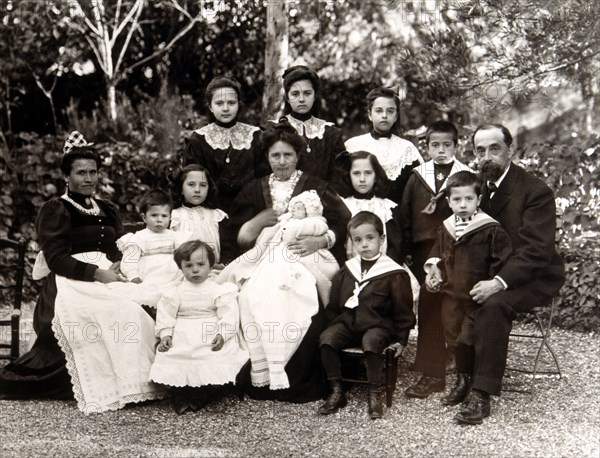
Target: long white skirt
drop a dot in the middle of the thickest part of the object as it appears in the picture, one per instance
(108, 340)
(277, 304)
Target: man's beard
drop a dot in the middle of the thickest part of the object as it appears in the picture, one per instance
(489, 170)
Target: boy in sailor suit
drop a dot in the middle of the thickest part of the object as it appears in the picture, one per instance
(470, 247)
(371, 306)
(423, 209)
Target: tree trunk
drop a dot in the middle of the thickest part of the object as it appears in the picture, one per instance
(112, 101)
(276, 58)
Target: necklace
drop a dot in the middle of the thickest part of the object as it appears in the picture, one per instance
(94, 211)
(280, 202)
(227, 160)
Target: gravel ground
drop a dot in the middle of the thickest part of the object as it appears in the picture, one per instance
(563, 419)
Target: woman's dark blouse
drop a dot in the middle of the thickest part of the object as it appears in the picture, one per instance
(210, 147)
(63, 231)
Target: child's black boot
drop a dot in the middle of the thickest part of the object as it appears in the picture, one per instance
(375, 401)
(180, 400)
(335, 400)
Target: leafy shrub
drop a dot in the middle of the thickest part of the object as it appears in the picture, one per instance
(571, 171)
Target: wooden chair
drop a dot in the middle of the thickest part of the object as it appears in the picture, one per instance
(541, 317)
(12, 272)
(354, 370)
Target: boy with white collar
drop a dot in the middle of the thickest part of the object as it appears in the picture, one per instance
(371, 306)
(423, 210)
(470, 247)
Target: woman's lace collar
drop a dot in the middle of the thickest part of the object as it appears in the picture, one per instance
(311, 128)
(238, 137)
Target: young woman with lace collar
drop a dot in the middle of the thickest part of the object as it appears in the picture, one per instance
(396, 155)
(229, 149)
(302, 105)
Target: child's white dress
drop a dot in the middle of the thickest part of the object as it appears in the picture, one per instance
(193, 314)
(202, 222)
(148, 255)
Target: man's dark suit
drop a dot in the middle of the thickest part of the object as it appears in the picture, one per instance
(525, 208)
(534, 273)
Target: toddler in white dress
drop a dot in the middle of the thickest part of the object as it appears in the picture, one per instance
(148, 254)
(197, 323)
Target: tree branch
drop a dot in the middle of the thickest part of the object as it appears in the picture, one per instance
(134, 24)
(136, 10)
(117, 13)
(168, 46)
(97, 54)
(182, 10)
(87, 21)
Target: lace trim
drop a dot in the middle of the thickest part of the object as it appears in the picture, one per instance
(311, 128)
(280, 204)
(197, 375)
(239, 136)
(63, 342)
(212, 214)
(64, 345)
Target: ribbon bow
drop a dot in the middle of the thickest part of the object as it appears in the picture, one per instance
(75, 139)
(352, 301)
(430, 208)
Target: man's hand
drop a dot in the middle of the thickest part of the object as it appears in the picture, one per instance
(398, 349)
(484, 289)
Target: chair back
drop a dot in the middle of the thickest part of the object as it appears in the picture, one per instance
(12, 273)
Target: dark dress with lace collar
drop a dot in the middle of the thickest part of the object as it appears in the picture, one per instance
(62, 231)
(230, 152)
(324, 141)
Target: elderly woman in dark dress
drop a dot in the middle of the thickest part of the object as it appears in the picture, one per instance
(94, 341)
(281, 315)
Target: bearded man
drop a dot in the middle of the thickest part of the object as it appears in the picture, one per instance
(525, 207)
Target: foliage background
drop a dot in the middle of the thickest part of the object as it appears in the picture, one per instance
(531, 65)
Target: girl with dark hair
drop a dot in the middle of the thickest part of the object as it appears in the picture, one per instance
(85, 310)
(323, 139)
(230, 150)
(285, 362)
(195, 209)
(396, 155)
(365, 187)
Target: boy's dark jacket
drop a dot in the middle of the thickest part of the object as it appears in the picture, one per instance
(477, 255)
(385, 302)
